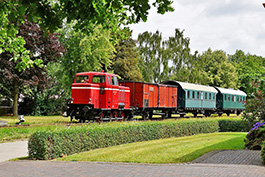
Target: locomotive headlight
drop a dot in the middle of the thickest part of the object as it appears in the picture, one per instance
(72, 100)
(89, 102)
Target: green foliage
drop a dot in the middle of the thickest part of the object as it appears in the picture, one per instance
(163, 60)
(220, 71)
(232, 125)
(53, 144)
(84, 52)
(263, 153)
(255, 137)
(249, 69)
(126, 59)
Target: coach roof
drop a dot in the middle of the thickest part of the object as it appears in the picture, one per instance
(231, 91)
(189, 86)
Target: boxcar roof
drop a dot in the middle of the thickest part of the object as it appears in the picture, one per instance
(189, 86)
(231, 91)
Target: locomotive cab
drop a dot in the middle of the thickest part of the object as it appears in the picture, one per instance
(98, 96)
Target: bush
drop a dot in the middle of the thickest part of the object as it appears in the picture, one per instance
(255, 137)
(263, 153)
(233, 125)
(65, 141)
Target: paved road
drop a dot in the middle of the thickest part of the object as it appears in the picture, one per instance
(13, 150)
(241, 163)
(70, 169)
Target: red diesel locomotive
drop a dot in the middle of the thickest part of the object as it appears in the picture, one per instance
(98, 96)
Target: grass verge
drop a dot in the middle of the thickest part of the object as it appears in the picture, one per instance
(35, 119)
(171, 150)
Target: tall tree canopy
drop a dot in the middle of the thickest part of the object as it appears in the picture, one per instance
(41, 48)
(250, 70)
(126, 60)
(50, 15)
(220, 71)
(84, 52)
(164, 59)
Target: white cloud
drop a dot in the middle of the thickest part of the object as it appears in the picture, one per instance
(226, 25)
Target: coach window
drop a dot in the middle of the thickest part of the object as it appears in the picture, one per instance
(205, 96)
(188, 96)
(210, 96)
(198, 95)
(213, 96)
(193, 94)
(232, 98)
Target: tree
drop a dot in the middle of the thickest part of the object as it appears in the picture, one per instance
(162, 60)
(84, 52)
(42, 48)
(126, 60)
(250, 69)
(50, 16)
(220, 71)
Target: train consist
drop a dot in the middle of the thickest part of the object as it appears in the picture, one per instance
(100, 96)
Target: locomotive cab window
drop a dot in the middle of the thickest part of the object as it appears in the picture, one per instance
(98, 79)
(114, 80)
(81, 79)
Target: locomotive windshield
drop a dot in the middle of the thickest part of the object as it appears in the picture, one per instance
(81, 79)
(98, 79)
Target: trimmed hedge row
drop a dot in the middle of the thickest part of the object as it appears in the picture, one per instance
(52, 144)
(233, 125)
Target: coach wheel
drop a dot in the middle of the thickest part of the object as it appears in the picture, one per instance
(151, 115)
(228, 114)
(182, 115)
(170, 115)
(81, 120)
(220, 114)
(144, 115)
(165, 115)
(71, 118)
(195, 114)
(238, 113)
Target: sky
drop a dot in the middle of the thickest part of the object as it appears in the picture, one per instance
(227, 25)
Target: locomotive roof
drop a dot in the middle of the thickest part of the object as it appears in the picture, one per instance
(99, 73)
(189, 86)
(231, 91)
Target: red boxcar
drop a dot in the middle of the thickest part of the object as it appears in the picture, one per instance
(97, 95)
(147, 97)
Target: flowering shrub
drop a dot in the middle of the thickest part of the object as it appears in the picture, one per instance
(255, 136)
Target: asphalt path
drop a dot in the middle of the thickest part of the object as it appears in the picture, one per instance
(13, 150)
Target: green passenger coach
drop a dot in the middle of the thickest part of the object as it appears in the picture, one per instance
(195, 98)
(230, 101)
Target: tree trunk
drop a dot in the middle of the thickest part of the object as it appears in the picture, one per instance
(15, 98)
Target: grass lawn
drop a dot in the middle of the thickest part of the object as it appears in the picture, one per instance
(172, 150)
(35, 119)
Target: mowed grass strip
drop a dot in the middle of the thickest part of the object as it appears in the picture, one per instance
(35, 119)
(171, 150)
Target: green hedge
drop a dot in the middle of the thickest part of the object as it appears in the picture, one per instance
(65, 141)
(233, 125)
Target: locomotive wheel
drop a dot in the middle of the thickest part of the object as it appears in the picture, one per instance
(114, 115)
(122, 115)
(101, 116)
